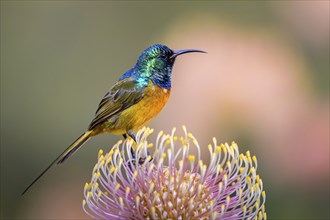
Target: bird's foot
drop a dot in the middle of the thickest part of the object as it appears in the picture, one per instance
(141, 159)
(133, 154)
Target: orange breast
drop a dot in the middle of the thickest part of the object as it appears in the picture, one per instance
(141, 113)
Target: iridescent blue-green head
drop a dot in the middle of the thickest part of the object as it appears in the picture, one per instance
(156, 64)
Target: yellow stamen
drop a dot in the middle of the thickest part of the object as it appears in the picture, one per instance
(121, 202)
(117, 187)
(191, 158)
(127, 191)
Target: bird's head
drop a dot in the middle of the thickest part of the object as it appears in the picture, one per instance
(156, 63)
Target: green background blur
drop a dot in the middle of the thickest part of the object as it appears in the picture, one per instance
(264, 83)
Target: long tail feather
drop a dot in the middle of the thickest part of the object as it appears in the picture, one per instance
(74, 147)
(64, 156)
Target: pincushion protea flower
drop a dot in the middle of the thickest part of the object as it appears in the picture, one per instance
(173, 183)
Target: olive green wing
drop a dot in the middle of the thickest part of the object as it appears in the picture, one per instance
(121, 96)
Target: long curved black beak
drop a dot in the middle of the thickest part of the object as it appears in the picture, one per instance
(180, 52)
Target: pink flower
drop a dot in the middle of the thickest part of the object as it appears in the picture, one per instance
(173, 183)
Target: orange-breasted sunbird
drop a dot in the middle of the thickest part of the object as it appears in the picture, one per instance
(137, 97)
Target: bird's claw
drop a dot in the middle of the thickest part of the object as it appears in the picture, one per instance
(142, 160)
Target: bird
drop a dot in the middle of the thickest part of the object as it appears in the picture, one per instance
(136, 98)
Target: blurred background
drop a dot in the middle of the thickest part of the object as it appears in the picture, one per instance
(264, 83)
